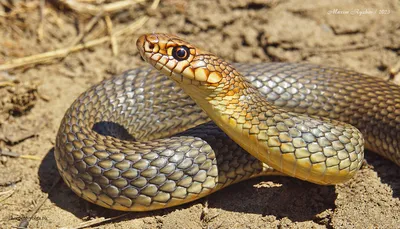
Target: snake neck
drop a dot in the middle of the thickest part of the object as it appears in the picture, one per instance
(234, 105)
(267, 132)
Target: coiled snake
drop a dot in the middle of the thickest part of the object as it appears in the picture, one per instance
(114, 149)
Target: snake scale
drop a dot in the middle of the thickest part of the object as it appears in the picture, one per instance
(143, 140)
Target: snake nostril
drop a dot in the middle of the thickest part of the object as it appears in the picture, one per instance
(151, 46)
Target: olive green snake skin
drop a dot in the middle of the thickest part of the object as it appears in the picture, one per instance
(114, 146)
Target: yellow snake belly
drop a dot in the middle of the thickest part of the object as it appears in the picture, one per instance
(114, 146)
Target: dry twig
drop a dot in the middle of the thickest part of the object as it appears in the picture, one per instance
(7, 194)
(95, 222)
(7, 84)
(13, 154)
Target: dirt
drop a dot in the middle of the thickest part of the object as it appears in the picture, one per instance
(358, 35)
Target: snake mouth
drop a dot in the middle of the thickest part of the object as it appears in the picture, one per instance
(151, 51)
(145, 49)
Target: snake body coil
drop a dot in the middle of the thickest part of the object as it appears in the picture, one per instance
(113, 146)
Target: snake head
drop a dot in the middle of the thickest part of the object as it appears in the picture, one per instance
(183, 62)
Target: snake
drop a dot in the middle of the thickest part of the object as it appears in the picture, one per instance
(191, 124)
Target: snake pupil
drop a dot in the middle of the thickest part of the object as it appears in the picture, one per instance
(180, 53)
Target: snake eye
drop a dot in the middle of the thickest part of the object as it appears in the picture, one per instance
(180, 53)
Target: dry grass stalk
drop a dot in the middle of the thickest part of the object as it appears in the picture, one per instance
(40, 29)
(113, 39)
(95, 9)
(155, 4)
(47, 56)
(20, 7)
(87, 28)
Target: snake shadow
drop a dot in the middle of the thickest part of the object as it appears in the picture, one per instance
(388, 171)
(278, 196)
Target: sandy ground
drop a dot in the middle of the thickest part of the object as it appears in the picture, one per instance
(362, 35)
